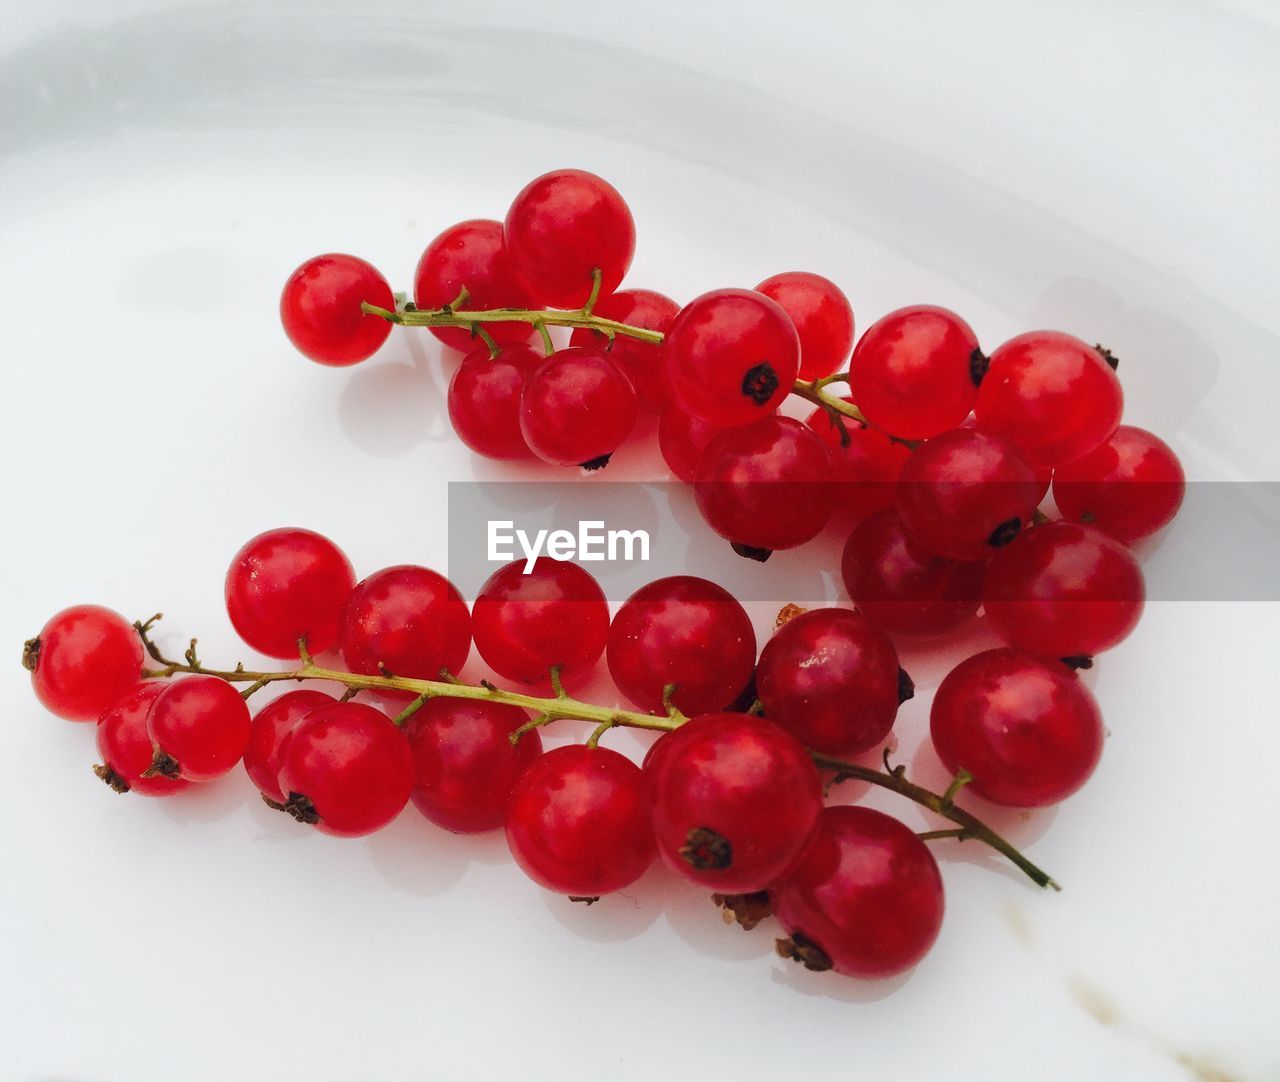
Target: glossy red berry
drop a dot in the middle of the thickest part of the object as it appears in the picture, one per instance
(866, 900)
(346, 770)
(125, 746)
(470, 255)
(484, 400)
(736, 800)
(641, 361)
(731, 357)
(686, 632)
(865, 464)
(288, 584)
(200, 727)
(1024, 727)
(914, 372)
(84, 659)
(408, 621)
(902, 587)
(964, 494)
(830, 677)
(1129, 487)
(1052, 395)
(765, 486)
(320, 309)
(560, 228)
(681, 440)
(579, 822)
(524, 625)
(577, 408)
(822, 316)
(272, 725)
(465, 764)
(1064, 590)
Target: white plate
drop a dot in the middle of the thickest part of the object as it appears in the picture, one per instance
(1106, 169)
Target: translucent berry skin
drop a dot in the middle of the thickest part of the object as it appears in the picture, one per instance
(865, 465)
(560, 228)
(84, 659)
(765, 485)
(577, 408)
(465, 764)
(1064, 590)
(352, 765)
(902, 587)
(579, 822)
(1129, 487)
(320, 309)
(272, 725)
(964, 494)
(736, 800)
(911, 371)
(681, 440)
(471, 254)
(1052, 395)
(830, 677)
(641, 361)
(408, 619)
(867, 894)
(285, 585)
(1026, 729)
(125, 746)
(731, 357)
(684, 631)
(524, 625)
(484, 400)
(822, 316)
(202, 723)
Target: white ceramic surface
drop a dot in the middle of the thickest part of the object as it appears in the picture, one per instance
(1108, 169)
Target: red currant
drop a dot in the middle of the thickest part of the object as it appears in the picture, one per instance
(563, 226)
(866, 900)
(681, 439)
(865, 464)
(272, 725)
(484, 400)
(126, 748)
(1052, 395)
(1025, 728)
(84, 659)
(285, 585)
(577, 408)
(579, 821)
(200, 727)
(641, 361)
(320, 309)
(822, 316)
(731, 357)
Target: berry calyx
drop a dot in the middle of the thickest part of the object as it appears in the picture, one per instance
(200, 726)
(822, 316)
(321, 313)
(84, 659)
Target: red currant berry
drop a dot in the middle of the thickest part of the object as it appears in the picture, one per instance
(346, 770)
(901, 586)
(1052, 395)
(822, 316)
(681, 439)
(285, 585)
(84, 659)
(200, 727)
(577, 408)
(470, 255)
(579, 822)
(865, 464)
(465, 763)
(126, 748)
(408, 621)
(731, 357)
(1064, 590)
(964, 494)
(1129, 487)
(641, 361)
(736, 800)
(272, 726)
(526, 624)
(866, 900)
(765, 486)
(484, 400)
(563, 226)
(686, 632)
(320, 309)
(831, 678)
(1025, 728)
(915, 372)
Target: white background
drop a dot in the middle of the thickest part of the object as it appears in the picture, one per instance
(1105, 168)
